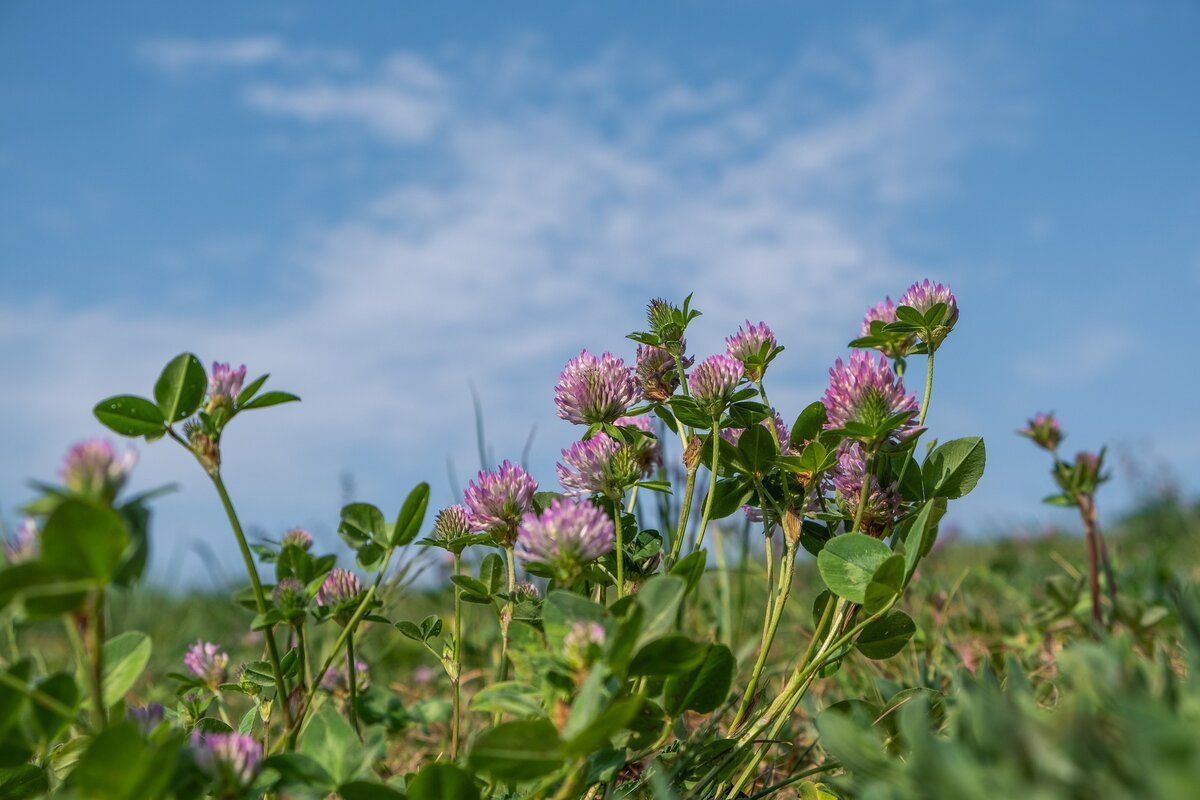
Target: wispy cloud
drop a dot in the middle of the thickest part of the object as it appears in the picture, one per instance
(557, 198)
(178, 55)
(1077, 358)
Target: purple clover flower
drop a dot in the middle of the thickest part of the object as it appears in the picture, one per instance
(208, 662)
(734, 435)
(657, 372)
(925, 295)
(566, 536)
(866, 391)
(713, 382)
(340, 587)
(498, 500)
(146, 717)
(298, 537)
(1044, 430)
(231, 760)
(897, 346)
(23, 545)
(592, 389)
(599, 465)
(883, 502)
(584, 644)
(746, 346)
(94, 469)
(649, 451)
(224, 385)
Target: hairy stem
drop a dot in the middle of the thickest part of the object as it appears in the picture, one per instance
(620, 548)
(456, 684)
(352, 679)
(685, 511)
(96, 648)
(715, 438)
(770, 627)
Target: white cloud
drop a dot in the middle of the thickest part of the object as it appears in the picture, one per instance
(1078, 358)
(565, 197)
(177, 55)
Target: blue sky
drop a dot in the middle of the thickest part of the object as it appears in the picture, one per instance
(383, 203)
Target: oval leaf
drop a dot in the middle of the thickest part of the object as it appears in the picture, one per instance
(847, 563)
(412, 515)
(84, 540)
(129, 415)
(125, 658)
(180, 388)
(886, 636)
(517, 751)
(442, 782)
(954, 468)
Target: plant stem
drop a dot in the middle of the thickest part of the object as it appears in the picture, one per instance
(43, 699)
(714, 437)
(456, 684)
(620, 548)
(770, 627)
(684, 511)
(928, 388)
(96, 646)
(305, 661)
(506, 615)
(352, 678)
(259, 597)
(1087, 510)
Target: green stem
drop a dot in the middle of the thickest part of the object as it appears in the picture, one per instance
(456, 684)
(684, 512)
(96, 645)
(620, 548)
(352, 678)
(305, 661)
(770, 627)
(864, 491)
(505, 622)
(928, 388)
(715, 437)
(260, 598)
(42, 699)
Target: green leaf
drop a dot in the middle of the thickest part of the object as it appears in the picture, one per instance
(331, 741)
(46, 591)
(954, 468)
(885, 585)
(847, 563)
(129, 415)
(517, 751)
(180, 388)
(705, 688)
(668, 655)
(250, 390)
(440, 781)
(492, 573)
(120, 765)
(729, 495)
(918, 534)
(361, 523)
(367, 790)
(22, 782)
(597, 735)
(297, 769)
(809, 424)
(411, 516)
(659, 597)
(12, 699)
(62, 688)
(85, 540)
(563, 609)
(886, 636)
(125, 657)
(691, 569)
(757, 448)
(270, 399)
(509, 697)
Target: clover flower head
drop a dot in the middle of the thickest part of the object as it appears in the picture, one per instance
(649, 451)
(146, 717)
(1044, 430)
(567, 535)
(527, 590)
(925, 295)
(224, 385)
(747, 345)
(340, 587)
(452, 523)
(23, 545)
(1087, 467)
(208, 662)
(599, 465)
(298, 537)
(714, 381)
(291, 597)
(231, 760)
(584, 644)
(498, 500)
(896, 346)
(94, 469)
(657, 373)
(866, 391)
(337, 679)
(592, 389)
(883, 502)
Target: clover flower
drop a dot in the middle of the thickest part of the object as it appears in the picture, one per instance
(527, 590)
(714, 381)
(208, 662)
(1087, 468)
(648, 449)
(337, 679)
(566, 536)
(231, 760)
(23, 545)
(451, 525)
(747, 346)
(224, 385)
(92, 468)
(867, 392)
(883, 502)
(146, 717)
(498, 500)
(340, 588)
(291, 598)
(657, 373)
(1044, 430)
(895, 346)
(925, 295)
(584, 644)
(592, 389)
(298, 537)
(600, 465)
